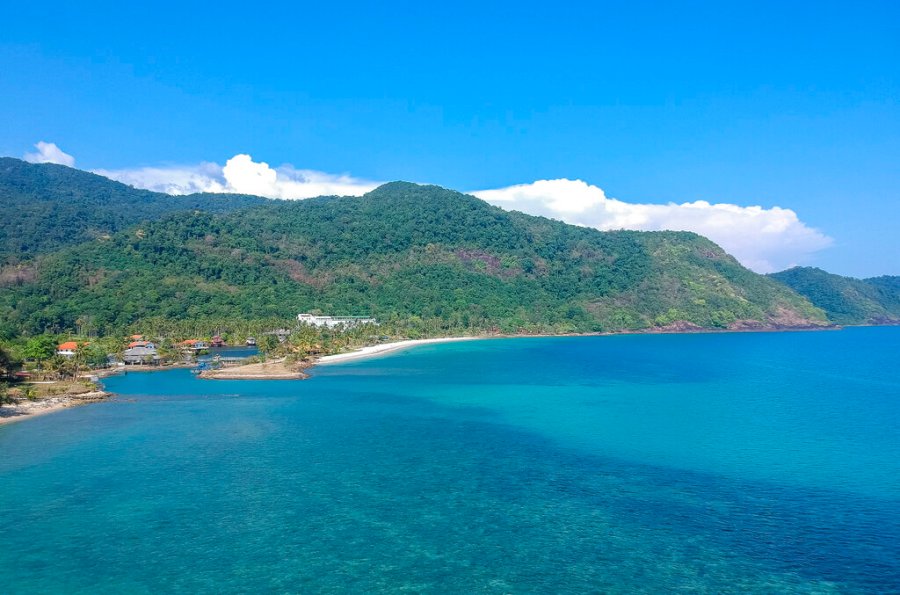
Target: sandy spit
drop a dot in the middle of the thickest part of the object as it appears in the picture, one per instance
(271, 370)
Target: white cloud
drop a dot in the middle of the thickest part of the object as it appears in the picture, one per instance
(49, 153)
(241, 175)
(175, 179)
(764, 240)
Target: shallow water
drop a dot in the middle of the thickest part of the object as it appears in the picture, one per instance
(712, 463)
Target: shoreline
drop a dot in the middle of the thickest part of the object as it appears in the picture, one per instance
(12, 413)
(277, 370)
(384, 348)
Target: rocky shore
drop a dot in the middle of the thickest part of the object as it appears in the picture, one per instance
(27, 408)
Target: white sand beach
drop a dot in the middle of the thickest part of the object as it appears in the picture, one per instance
(374, 350)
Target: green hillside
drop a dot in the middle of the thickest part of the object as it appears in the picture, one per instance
(45, 207)
(402, 252)
(844, 299)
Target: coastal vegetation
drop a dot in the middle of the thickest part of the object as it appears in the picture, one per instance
(844, 299)
(47, 207)
(423, 260)
(9, 363)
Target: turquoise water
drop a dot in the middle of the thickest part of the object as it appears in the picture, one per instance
(765, 463)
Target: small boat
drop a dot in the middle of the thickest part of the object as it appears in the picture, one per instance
(251, 342)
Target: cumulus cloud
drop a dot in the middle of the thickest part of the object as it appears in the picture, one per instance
(49, 153)
(242, 175)
(175, 179)
(764, 240)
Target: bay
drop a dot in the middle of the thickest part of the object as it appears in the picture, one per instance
(732, 462)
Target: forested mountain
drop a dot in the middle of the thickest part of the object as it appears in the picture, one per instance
(45, 207)
(844, 299)
(402, 251)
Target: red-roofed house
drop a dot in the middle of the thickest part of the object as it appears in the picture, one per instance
(68, 348)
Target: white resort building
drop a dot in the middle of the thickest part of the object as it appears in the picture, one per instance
(334, 321)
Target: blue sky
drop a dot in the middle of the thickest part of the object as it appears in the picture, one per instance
(791, 105)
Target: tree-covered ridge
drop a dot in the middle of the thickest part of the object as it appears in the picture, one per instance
(401, 252)
(45, 207)
(844, 299)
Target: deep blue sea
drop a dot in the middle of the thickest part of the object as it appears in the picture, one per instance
(709, 463)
